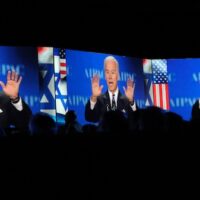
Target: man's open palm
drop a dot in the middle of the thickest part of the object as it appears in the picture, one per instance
(129, 90)
(11, 88)
(96, 88)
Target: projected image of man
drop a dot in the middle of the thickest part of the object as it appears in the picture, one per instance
(13, 110)
(113, 99)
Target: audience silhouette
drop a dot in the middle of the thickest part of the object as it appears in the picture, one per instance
(143, 123)
(42, 124)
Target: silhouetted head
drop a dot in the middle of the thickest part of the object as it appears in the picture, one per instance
(42, 124)
(151, 119)
(196, 111)
(70, 117)
(173, 123)
(114, 122)
(195, 118)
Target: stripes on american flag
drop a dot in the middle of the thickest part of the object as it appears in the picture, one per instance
(160, 84)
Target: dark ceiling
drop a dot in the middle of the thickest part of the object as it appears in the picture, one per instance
(137, 29)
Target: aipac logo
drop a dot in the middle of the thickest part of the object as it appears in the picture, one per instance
(182, 101)
(4, 68)
(90, 72)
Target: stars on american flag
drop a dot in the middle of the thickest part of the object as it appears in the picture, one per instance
(160, 83)
(159, 69)
(63, 64)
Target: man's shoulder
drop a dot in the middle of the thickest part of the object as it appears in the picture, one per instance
(103, 96)
(122, 96)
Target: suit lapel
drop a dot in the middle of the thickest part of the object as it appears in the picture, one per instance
(119, 99)
(107, 101)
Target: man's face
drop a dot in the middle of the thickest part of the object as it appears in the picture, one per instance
(111, 75)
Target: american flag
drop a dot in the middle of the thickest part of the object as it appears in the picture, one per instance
(160, 84)
(62, 63)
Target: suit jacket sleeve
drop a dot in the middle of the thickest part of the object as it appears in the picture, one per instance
(20, 118)
(93, 115)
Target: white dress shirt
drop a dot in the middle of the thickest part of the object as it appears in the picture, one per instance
(92, 104)
(18, 105)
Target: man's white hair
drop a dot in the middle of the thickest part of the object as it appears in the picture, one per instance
(111, 58)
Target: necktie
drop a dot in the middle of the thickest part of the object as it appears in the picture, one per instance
(114, 107)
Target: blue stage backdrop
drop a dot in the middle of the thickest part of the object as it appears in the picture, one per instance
(184, 80)
(23, 60)
(184, 85)
(81, 66)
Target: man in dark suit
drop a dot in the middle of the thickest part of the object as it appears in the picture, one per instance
(113, 98)
(13, 110)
